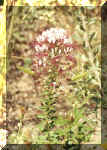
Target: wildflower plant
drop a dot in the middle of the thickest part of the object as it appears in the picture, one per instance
(66, 76)
(52, 56)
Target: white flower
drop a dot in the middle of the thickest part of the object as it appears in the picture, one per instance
(43, 47)
(67, 41)
(67, 49)
(60, 51)
(53, 34)
(44, 59)
(52, 50)
(47, 39)
(37, 47)
(40, 38)
(44, 64)
(70, 49)
(40, 62)
(51, 40)
(64, 50)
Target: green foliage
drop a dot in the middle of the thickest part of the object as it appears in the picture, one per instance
(26, 70)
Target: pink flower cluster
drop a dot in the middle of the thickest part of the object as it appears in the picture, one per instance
(50, 47)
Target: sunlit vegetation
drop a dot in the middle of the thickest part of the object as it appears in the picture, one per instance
(62, 63)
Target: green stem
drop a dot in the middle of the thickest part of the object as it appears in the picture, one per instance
(9, 32)
(49, 102)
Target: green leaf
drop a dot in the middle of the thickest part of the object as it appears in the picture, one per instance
(41, 116)
(61, 121)
(77, 115)
(79, 76)
(82, 28)
(27, 61)
(60, 132)
(26, 70)
(91, 7)
(42, 138)
(92, 36)
(41, 125)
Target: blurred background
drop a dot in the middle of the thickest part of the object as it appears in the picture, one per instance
(22, 39)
